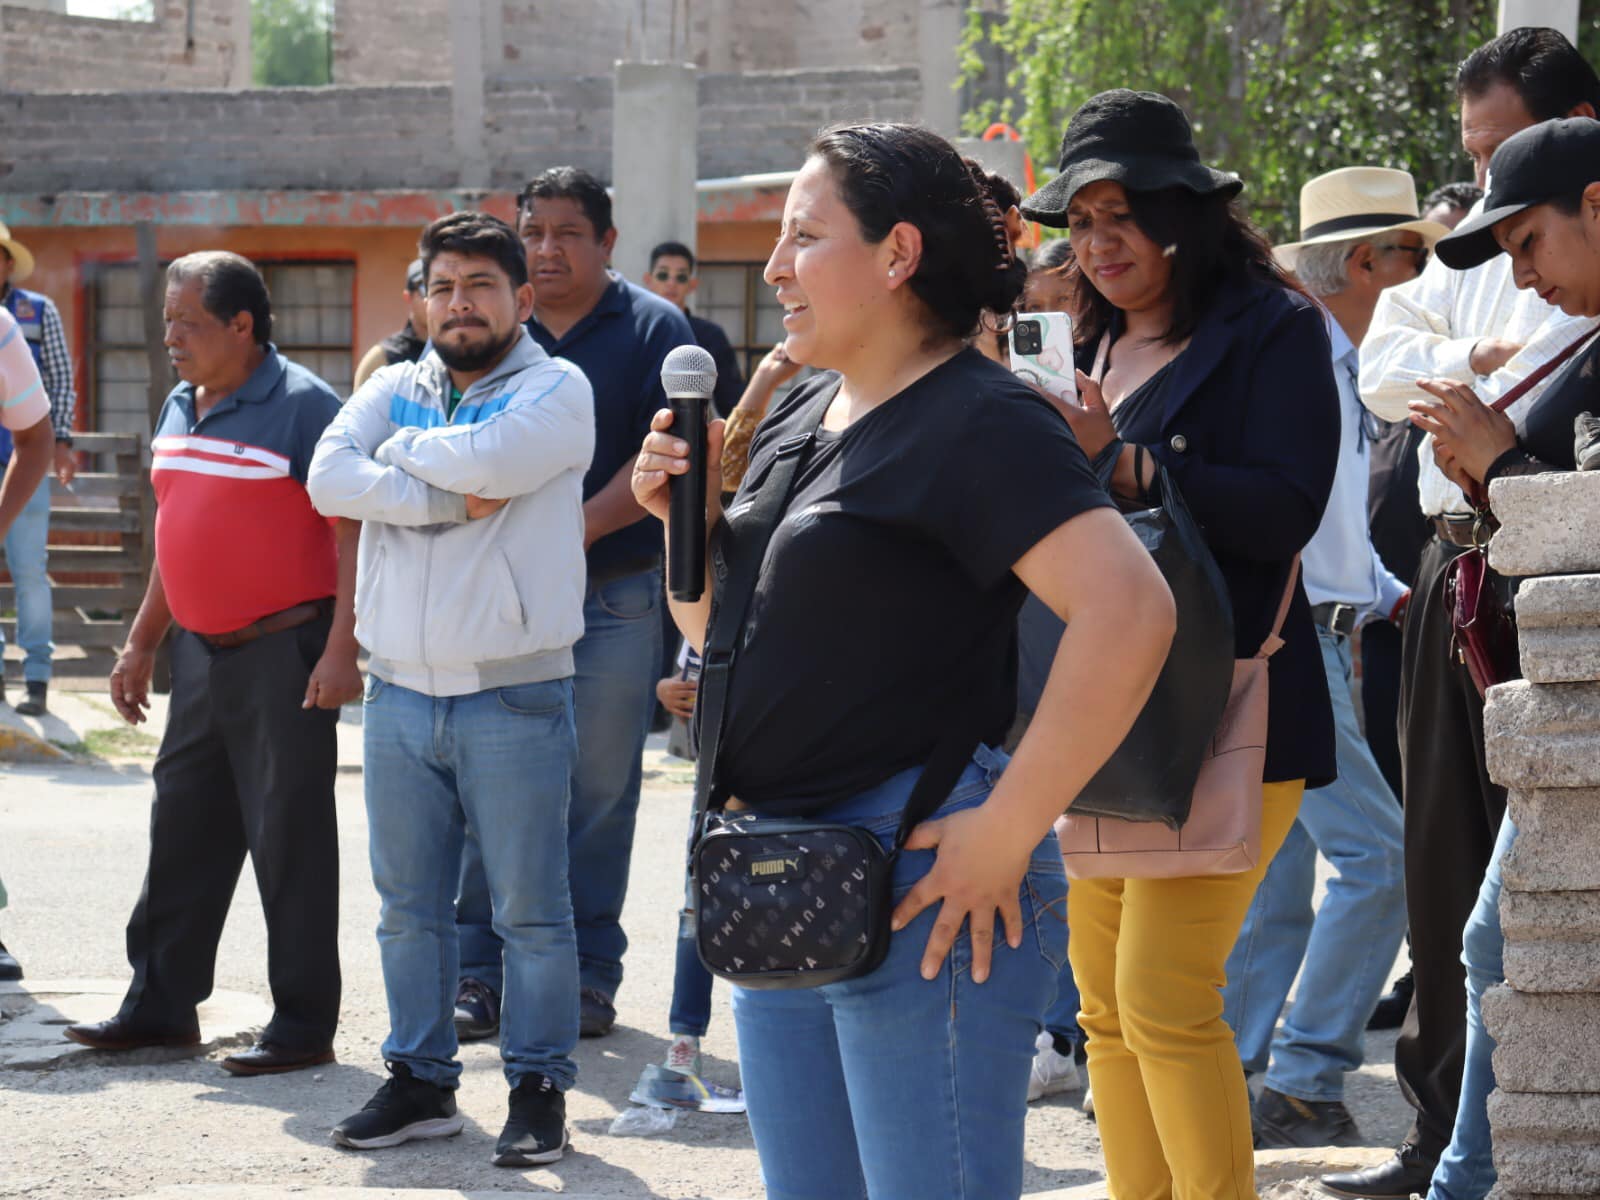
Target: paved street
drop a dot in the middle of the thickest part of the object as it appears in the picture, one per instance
(72, 847)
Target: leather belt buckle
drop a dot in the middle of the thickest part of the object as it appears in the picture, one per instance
(1337, 618)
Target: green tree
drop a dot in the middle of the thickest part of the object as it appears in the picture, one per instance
(1277, 90)
(290, 43)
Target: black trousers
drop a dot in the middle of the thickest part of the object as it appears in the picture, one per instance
(242, 769)
(1380, 698)
(1452, 817)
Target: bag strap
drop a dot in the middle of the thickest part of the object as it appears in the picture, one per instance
(1539, 374)
(1274, 641)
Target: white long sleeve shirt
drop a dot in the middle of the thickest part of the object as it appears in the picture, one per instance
(1426, 329)
(1340, 563)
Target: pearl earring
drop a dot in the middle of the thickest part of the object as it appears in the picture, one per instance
(891, 272)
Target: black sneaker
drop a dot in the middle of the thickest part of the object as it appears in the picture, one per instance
(536, 1124)
(10, 968)
(34, 705)
(1586, 442)
(402, 1110)
(1287, 1122)
(1393, 1005)
(596, 1013)
(477, 1011)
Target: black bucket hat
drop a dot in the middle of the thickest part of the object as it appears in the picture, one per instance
(1139, 139)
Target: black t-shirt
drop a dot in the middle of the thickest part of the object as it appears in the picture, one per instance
(1545, 430)
(887, 599)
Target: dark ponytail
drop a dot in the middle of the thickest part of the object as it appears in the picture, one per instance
(892, 173)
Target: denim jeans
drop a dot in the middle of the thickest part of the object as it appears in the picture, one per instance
(1061, 1018)
(690, 1015)
(1343, 954)
(1466, 1170)
(893, 1086)
(618, 663)
(25, 559)
(498, 762)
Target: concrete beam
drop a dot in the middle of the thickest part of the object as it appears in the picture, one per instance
(1557, 14)
(653, 160)
(466, 93)
(242, 66)
(938, 33)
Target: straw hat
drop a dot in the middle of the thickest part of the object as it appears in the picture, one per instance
(1358, 202)
(21, 256)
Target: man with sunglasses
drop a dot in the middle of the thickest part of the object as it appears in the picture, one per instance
(1360, 234)
(673, 277)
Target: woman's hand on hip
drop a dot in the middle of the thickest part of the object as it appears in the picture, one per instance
(977, 872)
(663, 456)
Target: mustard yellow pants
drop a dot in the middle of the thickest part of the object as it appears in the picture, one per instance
(1169, 1093)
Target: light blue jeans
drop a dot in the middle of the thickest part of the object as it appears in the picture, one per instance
(1348, 948)
(618, 662)
(1466, 1169)
(25, 559)
(497, 762)
(891, 1085)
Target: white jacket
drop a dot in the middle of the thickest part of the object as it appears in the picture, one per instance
(444, 605)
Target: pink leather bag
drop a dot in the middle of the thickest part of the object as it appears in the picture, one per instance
(1223, 833)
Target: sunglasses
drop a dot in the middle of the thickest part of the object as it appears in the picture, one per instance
(664, 276)
(1418, 253)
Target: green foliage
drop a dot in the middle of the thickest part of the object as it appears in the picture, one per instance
(1277, 90)
(290, 43)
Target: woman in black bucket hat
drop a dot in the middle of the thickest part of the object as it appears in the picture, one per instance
(1197, 353)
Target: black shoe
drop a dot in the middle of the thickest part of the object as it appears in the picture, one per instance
(402, 1110)
(10, 968)
(477, 1011)
(1288, 1121)
(119, 1033)
(34, 705)
(1393, 1004)
(536, 1124)
(1404, 1175)
(269, 1058)
(1586, 442)
(596, 1013)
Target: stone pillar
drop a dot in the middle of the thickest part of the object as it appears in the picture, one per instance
(1543, 743)
(653, 161)
(939, 25)
(1557, 14)
(242, 64)
(466, 92)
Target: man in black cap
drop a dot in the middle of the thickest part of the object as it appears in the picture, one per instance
(407, 344)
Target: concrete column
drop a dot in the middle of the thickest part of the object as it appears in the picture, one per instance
(241, 67)
(1001, 156)
(466, 94)
(939, 26)
(1561, 15)
(494, 36)
(653, 160)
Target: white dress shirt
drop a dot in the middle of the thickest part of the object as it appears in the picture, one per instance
(1426, 329)
(1339, 562)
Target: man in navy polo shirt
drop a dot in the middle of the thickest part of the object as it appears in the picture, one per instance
(617, 334)
(257, 588)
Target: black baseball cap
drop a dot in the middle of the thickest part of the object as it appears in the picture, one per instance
(1544, 162)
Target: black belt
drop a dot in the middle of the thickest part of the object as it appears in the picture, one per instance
(1338, 619)
(289, 618)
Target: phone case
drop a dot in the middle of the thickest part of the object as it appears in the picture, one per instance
(1052, 369)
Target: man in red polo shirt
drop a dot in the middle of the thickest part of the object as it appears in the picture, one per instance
(258, 590)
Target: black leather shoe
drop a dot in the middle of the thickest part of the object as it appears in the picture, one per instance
(119, 1034)
(1287, 1121)
(1393, 1005)
(1404, 1175)
(34, 705)
(10, 968)
(269, 1058)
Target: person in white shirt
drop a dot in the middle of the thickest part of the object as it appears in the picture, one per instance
(1360, 234)
(1473, 326)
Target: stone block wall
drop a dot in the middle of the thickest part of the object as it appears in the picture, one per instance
(1543, 743)
(377, 42)
(52, 52)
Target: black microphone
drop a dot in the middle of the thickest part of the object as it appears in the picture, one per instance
(688, 376)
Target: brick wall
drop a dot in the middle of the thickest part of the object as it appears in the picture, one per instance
(51, 52)
(356, 138)
(378, 42)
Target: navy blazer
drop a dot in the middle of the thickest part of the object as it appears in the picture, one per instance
(1248, 428)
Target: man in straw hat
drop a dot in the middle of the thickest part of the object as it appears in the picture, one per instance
(40, 326)
(1359, 234)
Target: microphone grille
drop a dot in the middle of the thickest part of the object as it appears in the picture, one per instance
(689, 371)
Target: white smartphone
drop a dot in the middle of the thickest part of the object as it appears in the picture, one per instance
(1041, 353)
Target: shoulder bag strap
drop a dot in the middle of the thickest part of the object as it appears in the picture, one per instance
(1274, 641)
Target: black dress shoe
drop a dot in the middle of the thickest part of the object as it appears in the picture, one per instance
(35, 705)
(120, 1034)
(269, 1058)
(1282, 1121)
(1404, 1175)
(10, 968)
(1393, 1004)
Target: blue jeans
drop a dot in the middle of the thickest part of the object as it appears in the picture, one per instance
(896, 1086)
(1347, 950)
(1061, 1018)
(690, 1015)
(1466, 1170)
(498, 762)
(25, 559)
(618, 663)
